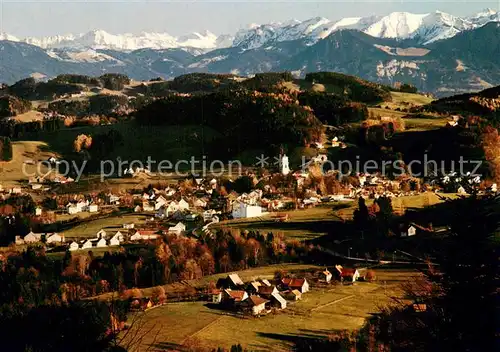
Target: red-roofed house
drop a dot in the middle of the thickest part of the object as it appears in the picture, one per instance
(267, 290)
(347, 274)
(234, 297)
(296, 284)
(256, 304)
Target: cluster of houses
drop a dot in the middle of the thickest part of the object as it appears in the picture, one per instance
(257, 297)
(260, 297)
(81, 206)
(49, 238)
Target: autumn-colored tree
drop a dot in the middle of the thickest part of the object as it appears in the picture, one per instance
(206, 263)
(191, 270)
(81, 142)
(163, 255)
(158, 295)
(490, 141)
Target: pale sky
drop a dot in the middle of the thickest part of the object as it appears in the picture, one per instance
(41, 18)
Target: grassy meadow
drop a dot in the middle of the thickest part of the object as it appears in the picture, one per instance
(322, 311)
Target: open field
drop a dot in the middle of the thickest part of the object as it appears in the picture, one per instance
(323, 310)
(302, 224)
(317, 221)
(111, 224)
(416, 99)
(11, 172)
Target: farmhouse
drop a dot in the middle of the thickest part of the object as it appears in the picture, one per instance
(255, 304)
(296, 284)
(93, 208)
(54, 238)
(243, 210)
(267, 290)
(232, 281)
(38, 211)
(87, 244)
(101, 234)
(183, 205)
(233, 297)
(73, 246)
(347, 274)
(72, 209)
(178, 229)
(100, 243)
(253, 287)
(32, 237)
(325, 275)
(144, 235)
(278, 301)
(409, 231)
(116, 239)
(293, 295)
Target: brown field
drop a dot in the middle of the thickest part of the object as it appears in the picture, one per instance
(322, 311)
(111, 224)
(11, 172)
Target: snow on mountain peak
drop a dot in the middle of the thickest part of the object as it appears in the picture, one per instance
(425, 28)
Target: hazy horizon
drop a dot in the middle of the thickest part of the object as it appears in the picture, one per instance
(43, 18)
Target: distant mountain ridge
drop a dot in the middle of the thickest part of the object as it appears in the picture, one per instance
(424, 28)
(458, 61)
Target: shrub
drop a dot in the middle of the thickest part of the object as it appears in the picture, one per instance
(370, 276)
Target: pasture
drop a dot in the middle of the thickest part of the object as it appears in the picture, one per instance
(322, 311)
(111, 224)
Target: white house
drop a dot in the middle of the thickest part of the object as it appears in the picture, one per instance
(72, 209)
(242, 210)
(32, 237)
(38, 211)
(410, 231)
(55, 238)
(256, 304)
(130, 225)
(116, 239)
(143, 235)
(160, 201)
(82, 205)
(177, 229)
(74, 246)
(87, 244)
(93, 208)
(183, 205)
(101, 234)
(101, 243)
(16, 190)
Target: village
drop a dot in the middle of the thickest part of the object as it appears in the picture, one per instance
(194, 205)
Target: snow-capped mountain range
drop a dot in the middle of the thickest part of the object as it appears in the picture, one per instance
(424, 28)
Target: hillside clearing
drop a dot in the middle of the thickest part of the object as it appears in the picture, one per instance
(322, 311)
